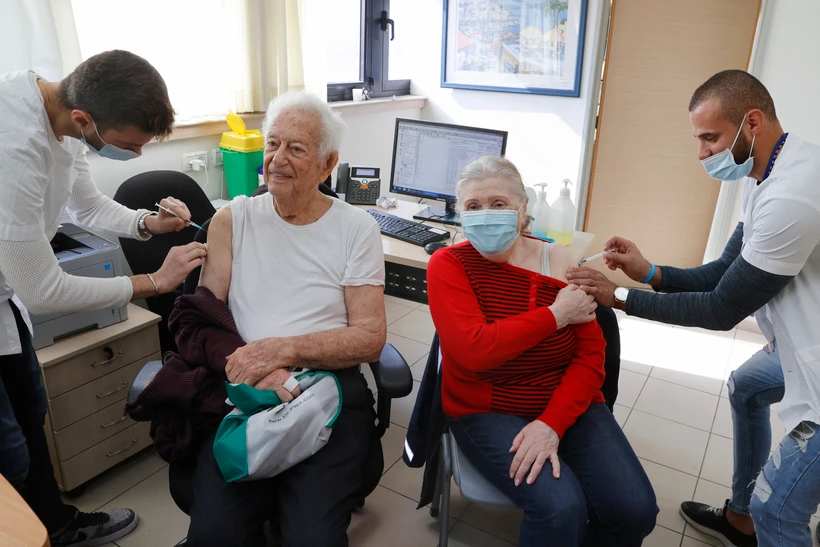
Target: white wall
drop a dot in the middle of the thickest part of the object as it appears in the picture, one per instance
(368, 141)
(790, 62)
(545, 132)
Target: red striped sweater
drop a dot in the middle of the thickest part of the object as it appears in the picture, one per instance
(501, 349)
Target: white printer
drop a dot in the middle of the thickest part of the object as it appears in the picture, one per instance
(85, 254)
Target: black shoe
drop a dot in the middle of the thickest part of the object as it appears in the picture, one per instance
(89, 529)
(712, 522)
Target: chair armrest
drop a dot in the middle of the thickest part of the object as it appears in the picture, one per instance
(144, 377)
(392, 374)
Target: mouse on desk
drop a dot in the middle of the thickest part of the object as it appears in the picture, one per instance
(434, 246)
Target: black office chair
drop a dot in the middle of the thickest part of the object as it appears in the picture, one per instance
(142, 192)
(393, 381)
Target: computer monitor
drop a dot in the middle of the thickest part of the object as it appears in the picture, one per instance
(428, 157)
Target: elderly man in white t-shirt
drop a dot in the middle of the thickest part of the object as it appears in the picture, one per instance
(303, 276)
(113, 104)
(771, 266)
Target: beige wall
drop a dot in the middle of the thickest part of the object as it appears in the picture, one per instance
(647, 184)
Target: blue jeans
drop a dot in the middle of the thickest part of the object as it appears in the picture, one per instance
(24, 458)
(787, 491)
(603, 496)
(753, 388)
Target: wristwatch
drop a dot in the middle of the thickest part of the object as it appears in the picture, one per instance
(621, 294)
(141, 224)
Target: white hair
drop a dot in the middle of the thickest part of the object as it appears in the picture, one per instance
(487, 167)
(332, 125)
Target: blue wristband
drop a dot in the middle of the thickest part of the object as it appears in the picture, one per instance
(650, 276)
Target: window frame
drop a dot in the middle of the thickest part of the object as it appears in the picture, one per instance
(374, 58)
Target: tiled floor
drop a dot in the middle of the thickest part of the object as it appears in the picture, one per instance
(672, 406)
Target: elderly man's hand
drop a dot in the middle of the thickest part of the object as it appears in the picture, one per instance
(253, 362)
(276, 382)
(594, 283)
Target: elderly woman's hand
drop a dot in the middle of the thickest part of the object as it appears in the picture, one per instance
(254, 361)
(573, 306)
(533, 446)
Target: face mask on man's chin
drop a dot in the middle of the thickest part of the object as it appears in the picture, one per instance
(108, 150)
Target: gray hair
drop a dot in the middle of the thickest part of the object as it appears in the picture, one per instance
(487, 167)
(332, 125)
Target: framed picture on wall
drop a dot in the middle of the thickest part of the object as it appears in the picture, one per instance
(517, 46)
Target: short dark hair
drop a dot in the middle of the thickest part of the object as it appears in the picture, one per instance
(737, 91)
(118, 88)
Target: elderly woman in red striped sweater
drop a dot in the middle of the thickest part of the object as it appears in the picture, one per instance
(523, 364)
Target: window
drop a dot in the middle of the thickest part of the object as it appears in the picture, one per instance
(197, 46)
(361, 35)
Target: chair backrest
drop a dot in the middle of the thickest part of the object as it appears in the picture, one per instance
(192, 281)
(142, 192)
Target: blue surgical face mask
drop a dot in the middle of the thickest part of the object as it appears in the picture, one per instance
(109, 150)
(491, 231)
(722, 166)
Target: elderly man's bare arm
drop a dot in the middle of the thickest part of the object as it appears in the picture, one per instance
(360, 342)
(216, 272)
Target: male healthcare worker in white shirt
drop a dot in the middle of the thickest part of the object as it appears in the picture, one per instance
(113, 104)
(771, 265)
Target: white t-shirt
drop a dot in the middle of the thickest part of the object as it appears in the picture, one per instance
(289, 280)
(40, 179)
(781, 233)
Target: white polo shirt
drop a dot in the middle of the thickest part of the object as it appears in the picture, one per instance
(781, 232)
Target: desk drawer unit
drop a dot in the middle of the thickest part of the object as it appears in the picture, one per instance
(87, 377)
(99, 361)
(405, 282)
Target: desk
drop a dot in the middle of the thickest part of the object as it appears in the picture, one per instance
(406, 263)
(18, 523)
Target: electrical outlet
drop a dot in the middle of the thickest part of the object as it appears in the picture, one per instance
(216, 157)
(191, 156)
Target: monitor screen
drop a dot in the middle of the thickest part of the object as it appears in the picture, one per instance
(428, 157)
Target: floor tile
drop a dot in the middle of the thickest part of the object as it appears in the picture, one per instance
(662, 537)
(641, 341)
(390, 519)
(416, 325)
(630, 385)
(401, 301)
(690, 542)
(723, 419)
(501, 522)
(418, 368)
(621, 414)
(410, 350)
(395, 311)
(464, 535)
(668, 443)
(754, 338)
(393, 445)
(110, 484)
(161, 521)
(678, 403)
(712, 494)
(402, 409)
(718, 463)
(730, 334)
(694, 359)
(407, 482)
(671, 488)
(424, 307)
(640, 368)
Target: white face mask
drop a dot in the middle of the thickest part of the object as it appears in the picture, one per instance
(722, 166)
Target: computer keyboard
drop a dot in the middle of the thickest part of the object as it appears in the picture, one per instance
(407, 230)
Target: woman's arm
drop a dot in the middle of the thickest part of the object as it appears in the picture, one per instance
(581, 381)
(216, 272)
(461, 324)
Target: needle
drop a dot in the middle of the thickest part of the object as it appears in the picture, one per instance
(593, 257)
(170, 212)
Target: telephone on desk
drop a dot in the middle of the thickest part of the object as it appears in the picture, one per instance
(360, 185)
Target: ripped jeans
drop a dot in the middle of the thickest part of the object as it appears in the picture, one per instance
(787, 491)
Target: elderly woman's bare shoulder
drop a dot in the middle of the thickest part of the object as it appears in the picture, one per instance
(561, 259)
